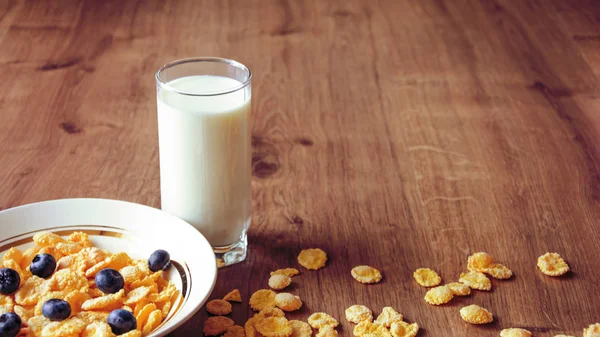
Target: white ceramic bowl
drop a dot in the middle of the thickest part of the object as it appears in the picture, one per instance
(123, 226)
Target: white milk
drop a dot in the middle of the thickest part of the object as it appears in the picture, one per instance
(205, 159)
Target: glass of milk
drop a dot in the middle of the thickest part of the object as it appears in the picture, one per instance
(204, 146)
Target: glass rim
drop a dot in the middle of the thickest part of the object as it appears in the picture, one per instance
(164, 85)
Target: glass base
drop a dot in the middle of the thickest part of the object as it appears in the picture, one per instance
(233, 253)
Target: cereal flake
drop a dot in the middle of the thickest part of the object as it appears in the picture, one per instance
(312, 259)
(459, 289)
(476, 280)
(366, 274)
(233, 296)
(286, 271)
(427, 277)
(262, 299)
(552, 264)
(358, 313)
(217, 325)
(273, 326)
(288, 302)
(439, 295)
(279, 282)
(475, 314)
(388, 316)
(321, 319)
(515, 332)
(218, 307)
(403, 329)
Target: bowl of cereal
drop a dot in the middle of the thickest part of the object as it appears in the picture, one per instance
(100, 267)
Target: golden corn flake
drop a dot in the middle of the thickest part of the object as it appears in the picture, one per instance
(312, 259)
(116, 261)
(321, 319)
(97, 329)
(327, 331)
(218, 307)
(427, 277)
(103, 302)
(31, 291)
(476, 280)
(24, 274)
(235, 331)
(217, 325)
(147, 281)
(131, 274)
(478, 261)
(262, 299)
(403, 329)
(250, 330)
(300, 329)
(439, 295)
(388, 316)
(366, 274)
(138, 294)
(459, 289)
(279, 282)
(233, 296)
(515, 333)
(270, 312)
(68, 280)
(358, 313)
(23, 312)
(132, 333)
(80, 238)
(69, 248)
(286, 272)
(475, 314)
(552, 264)
(288, 302)
(6, 304)
(365, 328)
(143, 314)
(90, 317)
(13, 254)
(153, 322)
(45, 297)
(592, 331)
(498, 271)
(165, 294)
(37, 323)
(69, 327)
(47, 239)
(273, 326)
(76, 299)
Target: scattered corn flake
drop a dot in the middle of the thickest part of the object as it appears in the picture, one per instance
(80, 238)
(218, 307)
(103, 302)
(321, 319)
(131, 274)
(498, 271)
(95, 292)
(288, 302)
(366, 274)
(279, 282)
(459, 288)
(312, 259)
(153, 322)
(403, 329)
(37, 323)
(24, 312)
(132, 333)
(249, 328)
(327, 331)
(76, 299)
(235, 331)
(270, 312)
(476, 280)
(365, 328)
(46, 239)
(233, 296)
(138, 294)
(6, 304)
(147, 281)
(439, 295)
(69, 248)
(220, 263)
(143, 314)
(515, 332)
(479, 261)
(116, 261)
(552, 264)
(286, 271)
(31, 291)
(427, 277)
(592, 331)
(139, 306)
(358, 313)
(165, 307)
(67, 328)
(273, 326)
(388, 316)
(92, 316)
(13, 254)
(475, 314)
(262, 299)
(300, 329)
(68, 280)
(98, 329)
(217, 325)
(165, 294)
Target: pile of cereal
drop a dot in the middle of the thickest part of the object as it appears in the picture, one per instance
(67, 287)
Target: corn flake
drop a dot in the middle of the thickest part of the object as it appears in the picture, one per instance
(131, 274)
(286, 272)
(564, 336)
(68, 328)
(365, 327)
(80, 238)
(165, 294)
(98, 329)
(592, 331)
(273, 326)
(320, 319)
(233, 296)
(552, 264)
(478, 261)
(475, 314)
(358, 313)
(515, 332)
(279, 282)
(90, 317)
(142, 316)
(300, 329)
(104, 302)
(235, 331)
(427, 277)
(217, 325)
(138, 294)
(68, 280)
(439, 295)
(288, 302)
(388, 316)
(312, 259)
(24, 312)
(218, 307)
(24, 274)
(37, 323)
(47, 239)
(13, 254)
(366, 274)
(28, 256)
(76, 299)
(147, 281)
(270, 312)
(6, 304)
(498, 271)
(476, 280)
(403, 329)
(250, 330)
(153, 322)
(327, 331)
(116, 261)
(69, 248)
(262, 299)
(132, 333)
(31, 291)
(459, 289)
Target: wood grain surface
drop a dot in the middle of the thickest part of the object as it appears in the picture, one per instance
(395, 133)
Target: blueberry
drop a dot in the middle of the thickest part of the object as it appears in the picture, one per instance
(109, 281)
(9, 281)
(10, 324)
(43, 265)
(159, 260)
(121, 321)
(56, 310)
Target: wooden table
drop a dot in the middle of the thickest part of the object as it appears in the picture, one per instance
(399, 134)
